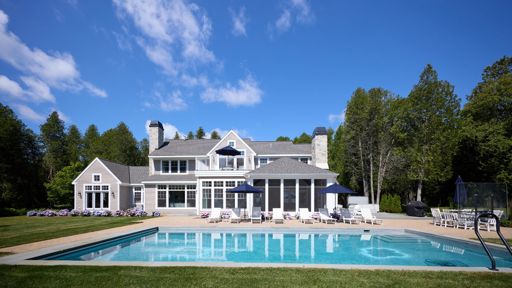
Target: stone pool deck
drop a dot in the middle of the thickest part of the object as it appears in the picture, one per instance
(419, 224)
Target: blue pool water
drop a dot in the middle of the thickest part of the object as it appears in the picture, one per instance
(299, 247)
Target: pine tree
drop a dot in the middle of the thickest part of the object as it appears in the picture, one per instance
(177, 136)
(190, 135)
(74, 144)
(92, 144)
(200, 133)
(215, 135)
(283, 139)
(54, 140)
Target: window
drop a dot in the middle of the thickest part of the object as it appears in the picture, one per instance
(289, 194)
(231, 143)
(137, 195)
(218, 184)
(207, 196)
(176, 196)
(230, 183)
(207, 183)
(226, 162)
(217, 198)
(96, 178)
(230, 200)
(174, 167)
(304, 160)
(263, 161)
(162, 196)
(240, 160)
(97, 196)
(191, 196)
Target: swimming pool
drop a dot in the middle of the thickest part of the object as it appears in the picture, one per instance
(334, 246)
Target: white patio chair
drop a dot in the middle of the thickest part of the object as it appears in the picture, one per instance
(277, 215)
(235, 215)
(348, 217)
(324, 216)
(215, 216)
(305, 216)
(368, 217)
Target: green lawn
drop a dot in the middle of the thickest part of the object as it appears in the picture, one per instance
(21, 229)
(82, 276)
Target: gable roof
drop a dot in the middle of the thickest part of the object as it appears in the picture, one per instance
(138, 173)
(279, 147)
(231, 132)
(196, 147)
(288, 166)
(122, 172)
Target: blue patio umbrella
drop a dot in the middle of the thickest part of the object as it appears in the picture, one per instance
(245, 188)
(461, 195)
(337, 188)
(228, 151)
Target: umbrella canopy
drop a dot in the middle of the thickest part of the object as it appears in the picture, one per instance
(228, 151)
(336, 188)
(461, 195)
(245, 188)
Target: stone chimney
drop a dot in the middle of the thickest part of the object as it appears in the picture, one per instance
(156, 135)
(319, 148)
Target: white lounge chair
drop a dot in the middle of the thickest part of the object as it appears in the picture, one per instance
(436, 216)
(235, 215)
(305, 216)
(348, 217)
(324, 216)
(368, 217)
(277, 215)
(215, 216)
(256, 214)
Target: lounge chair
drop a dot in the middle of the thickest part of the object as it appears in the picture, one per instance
(235, 215)
(368, 217)
(277, 215)
(215, 216)
(325, 217)
(347, 217)
(256, 214)
(305, 216)
(436, 216)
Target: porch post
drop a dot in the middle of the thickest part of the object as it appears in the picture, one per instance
(312, 195)
(296, 195)
(266, 195)
(282, 194)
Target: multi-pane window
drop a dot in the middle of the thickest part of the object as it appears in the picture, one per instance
(137, 195)
(263, 161)
(96, 196)
(230, 200)
(96, 178)
(207, 198)
(217, 198)
(162, 196)
(191, 196)
(304, 160)
(174, 166)
(176, 196)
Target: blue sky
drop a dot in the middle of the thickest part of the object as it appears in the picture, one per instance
(263, 68)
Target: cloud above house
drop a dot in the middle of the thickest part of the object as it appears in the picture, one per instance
(337, 118)
(246, 92)
(239, 21)
(292, 12)
(39, 73)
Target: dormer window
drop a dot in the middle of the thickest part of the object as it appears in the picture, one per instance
(232, 143)
(174, 167)
(96, 178)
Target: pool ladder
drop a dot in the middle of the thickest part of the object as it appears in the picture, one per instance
(477, 232)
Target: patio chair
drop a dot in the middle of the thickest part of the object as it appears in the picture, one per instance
(368, 217)
(490, 223)
(256, 214)
(215, 216)
(347, 217)
(436, 216)
(277, 215)
(448, 219)
(464, 220)
(235, 215)
(324, 216)
(305, 216)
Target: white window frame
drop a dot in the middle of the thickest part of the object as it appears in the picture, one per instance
(212, 192)
(167, 189)
(232, 141)
(259, 161)
(141, 194)
(93, 196)
(94, 175)
(170, 171)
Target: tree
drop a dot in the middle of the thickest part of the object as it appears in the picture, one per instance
(176, 136)
(143, 147)
(120, 146)
(432, 129)
(21, 167)
(485, 150)
(215, 135)
(54, 140)
(283, 139)
(60, 189)
(304, 138)
(190, 135)
(92, 144)
(200, 133)
(337, 156)
(74, 144)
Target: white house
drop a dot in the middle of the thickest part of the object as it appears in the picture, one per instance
(188, 176)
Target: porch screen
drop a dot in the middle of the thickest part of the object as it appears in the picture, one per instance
(259, 198)
(320, 198)
(274, 194)
(289, 195)
(305, 193)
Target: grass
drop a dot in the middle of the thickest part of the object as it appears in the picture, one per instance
(126, 276)
(5, 254)
(22, 229)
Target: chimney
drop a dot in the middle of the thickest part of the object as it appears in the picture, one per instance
(156, 135)
(319, 148)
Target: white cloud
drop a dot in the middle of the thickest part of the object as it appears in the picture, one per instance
(27, 113)
(12, 88)
(337, 118)
(239, 22)
(294, 11)
(38, 90)
(56, 71)
(171, 102)
(246, 93)
(169, 130)
(174, 32)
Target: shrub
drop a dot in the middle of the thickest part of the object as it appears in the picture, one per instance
(63, 212)
(390, 203)
(155, 214)
(5, 212)
(74, 213)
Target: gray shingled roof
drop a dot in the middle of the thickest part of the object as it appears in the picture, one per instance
(122, 172)
(290, 166)
(138, 173)
(185, 147)
(183, 177)
(278, 147)
(203, 146)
